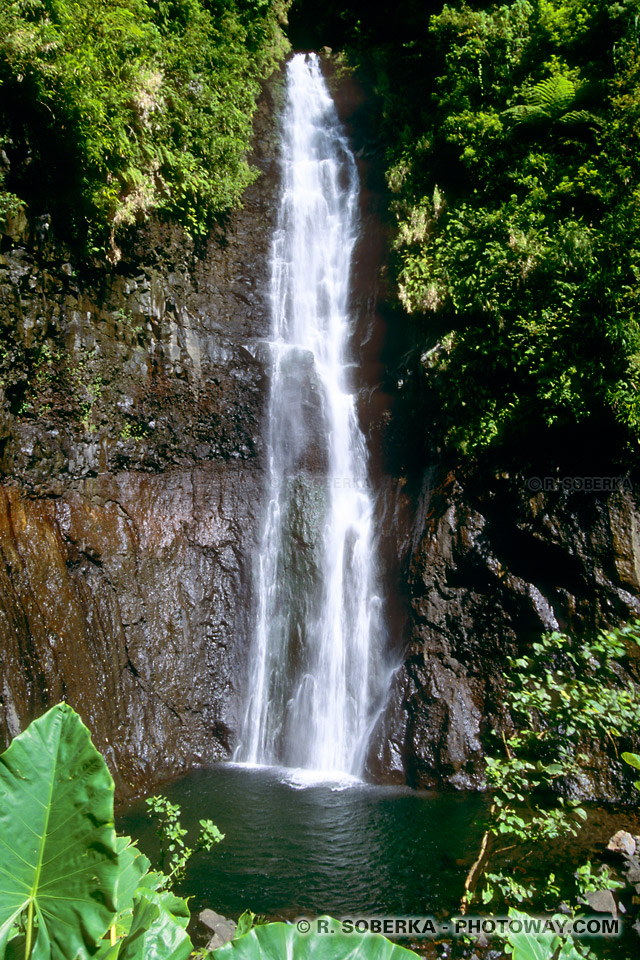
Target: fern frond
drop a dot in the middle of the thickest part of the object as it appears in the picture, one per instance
(554, 94)
(526, 113)
(575, 117)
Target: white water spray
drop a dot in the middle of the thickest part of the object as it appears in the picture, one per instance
(317, 674)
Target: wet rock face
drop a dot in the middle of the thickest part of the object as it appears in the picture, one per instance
(491, 566)
(150, 371)
(121, 596)
(131, 413)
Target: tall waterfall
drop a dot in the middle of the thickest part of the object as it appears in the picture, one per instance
(316, 672)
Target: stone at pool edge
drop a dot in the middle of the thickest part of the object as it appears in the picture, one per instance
(622, 842)
(220, 928)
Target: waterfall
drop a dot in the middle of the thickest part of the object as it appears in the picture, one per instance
(316, 672)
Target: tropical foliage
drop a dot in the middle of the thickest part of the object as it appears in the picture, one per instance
(70, 886)
(568, 699)
(57, 833)
(511, 132)
(286, 940)
(110, 109)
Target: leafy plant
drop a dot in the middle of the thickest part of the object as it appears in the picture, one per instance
(522, 281)
(551, 101)
(131, 106)
(246, 921)
(286, 940)
(67, 880)
(71, 888)
(633, 759)
(524, 944)
(588, 880)
(567, 697)
(175, 852)
(57, 834)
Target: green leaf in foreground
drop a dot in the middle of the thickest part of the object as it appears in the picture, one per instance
(538, 946)
(156, 933)
(272, 941)
(133, 869)
(58, 855)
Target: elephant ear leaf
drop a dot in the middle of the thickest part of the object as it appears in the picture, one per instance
(274, 940)
(133, 871)
(156, 932)
(133, 867)
(58, 856)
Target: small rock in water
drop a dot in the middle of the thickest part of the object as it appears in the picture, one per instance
(222, 928)
(622, 842)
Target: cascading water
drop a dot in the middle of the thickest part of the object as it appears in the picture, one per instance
(317, 674)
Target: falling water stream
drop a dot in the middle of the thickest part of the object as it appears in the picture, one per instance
(317, 675)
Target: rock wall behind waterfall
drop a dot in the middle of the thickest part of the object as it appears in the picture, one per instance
(485, 567)
(122, 596)
(131, 413)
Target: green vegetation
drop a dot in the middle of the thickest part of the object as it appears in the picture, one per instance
(511, 132)
(272, 940)
(545, 945)
(175, 852)
(569, 699)
(110, 109)
(57, 832)
(633, 759)
(532, 253)
(72, 887)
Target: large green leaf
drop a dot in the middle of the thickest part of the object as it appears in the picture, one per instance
(531, 946)
(273, 941)
(156, 934)
(133, 871)
(152, 922)
(176, 907)
(57, 839)
(133, 866)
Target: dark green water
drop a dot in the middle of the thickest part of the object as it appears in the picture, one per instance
(291, 849)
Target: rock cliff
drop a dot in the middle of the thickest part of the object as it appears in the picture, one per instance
(131, 413)
(487, 564)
